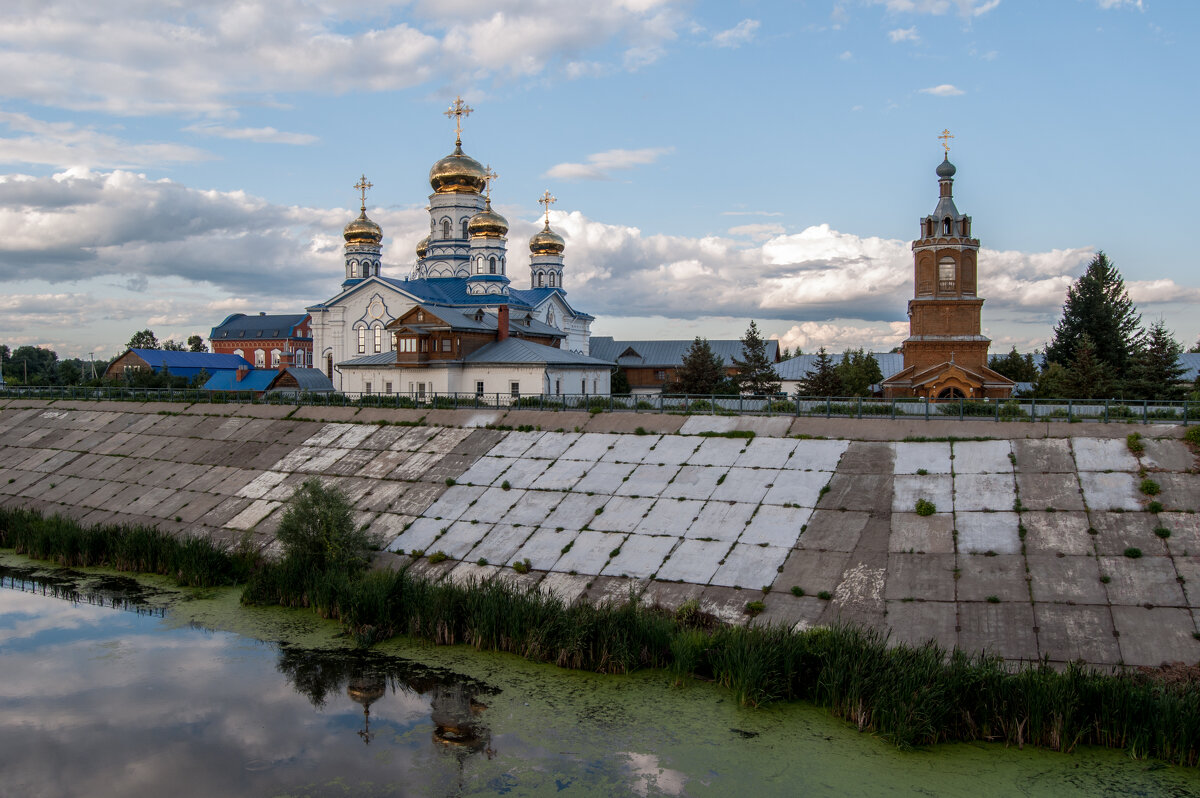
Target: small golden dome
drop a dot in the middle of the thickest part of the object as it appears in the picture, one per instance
(547, 242)
(487, 224)
(457, 173)
(362, 230)
(423, 247)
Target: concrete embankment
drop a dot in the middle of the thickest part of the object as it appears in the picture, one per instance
(1027, 552)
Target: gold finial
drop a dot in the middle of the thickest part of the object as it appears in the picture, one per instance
(945, 137)
(488, 177)
(362, 185)
(546, 200)
(458, 109)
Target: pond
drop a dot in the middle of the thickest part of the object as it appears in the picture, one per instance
(116, 687)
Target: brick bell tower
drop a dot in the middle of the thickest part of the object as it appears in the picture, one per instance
(945, 354)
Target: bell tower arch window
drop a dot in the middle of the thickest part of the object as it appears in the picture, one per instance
(464, 228)
(947, 226)
(552, 279)
(445, 228)
(946, 275)
(492, 265)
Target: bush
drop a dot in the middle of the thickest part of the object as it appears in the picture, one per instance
(1192, 436)
(1133, 552)
(925, 507)
(797, 590)
(522, 566)
(1134, 442)
(317, 530)
(755, 608)
(1150, 487)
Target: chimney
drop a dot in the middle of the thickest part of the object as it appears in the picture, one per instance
(242, 372)
(285, 361)
(502, 323)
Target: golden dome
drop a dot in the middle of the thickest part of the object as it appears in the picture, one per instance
(423, 247)
(487, 224)
(547, 242)
(457, 173)
(362, 230)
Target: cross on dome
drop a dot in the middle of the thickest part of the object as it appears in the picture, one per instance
(362, 185)
(546, 200)
(458, 109)
(945, 138)
(488, 177)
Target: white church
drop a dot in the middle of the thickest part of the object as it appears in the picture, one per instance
(455, 324)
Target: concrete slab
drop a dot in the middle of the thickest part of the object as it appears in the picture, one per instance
(1167, 454)
(576, 511)
(534, 507)
(1109, 491)
(387, 527)
(589, 552)
(979, 533)
(469, 574)
(647, 480)
(479, 442)
(544, 548)
(983, 457)
(467, 418)
(524, 473)
(420, 535)
(416, 466)
(501, 542)
(515, 444)
(981, 577)
(975, 492)
(767, 453)
(486, 471)
(561, 475)
(1185, 532)
(1152, 637)
(1097, 454)
(1179, 491)
(748, 485)
(693, 561)
(915, 623)
(928, 577)
(750, 566)
(723, 521)
(670, 517)
(1065, 580)
(440, 439)
(590, 447)
(459, 538)
(831, 530)
(1145, 581)
(1079, 633)
(454, 502)
(448, 466)
(718, 452)
(250, 517)
(640, 556)
(382, 495)
(693, 482)
(381, 464)
(937, 488)
(775, 526)
(1057, 533)
(860, 492)
(1004, 629)
(819, 455)
(728, 604)
(492, 506)
(801, 488)
(670, 595)
(621, 514)
(224, 512)
(614, 591)
(1045, 491)
(671, 450)
(633, 449)
(552, 445)
(604, 478)
(696, 425)
(916, 534)
(911, 458)
(566, 588)
(1050, 455)
(1116, 532)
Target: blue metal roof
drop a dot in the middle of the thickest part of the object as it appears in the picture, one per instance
(536, 296)
(449, 291)
(666, 354)
(797, 368)
(179, 362)
(255, 380)
(239, 325)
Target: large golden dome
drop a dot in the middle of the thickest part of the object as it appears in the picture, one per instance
(547, 242)
(487, 224)
(457, 173)
(423, 247)
(362, 231)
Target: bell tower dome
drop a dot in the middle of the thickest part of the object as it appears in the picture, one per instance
(546, 252)
(363, 246)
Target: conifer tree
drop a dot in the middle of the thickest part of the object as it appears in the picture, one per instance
(755, 376)
(702, 370)
(1089, 376)
(823, 379)
(1014, 365)
(1099, 307)
(1156, 372)
(857, 372)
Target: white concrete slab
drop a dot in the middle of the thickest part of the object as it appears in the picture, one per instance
(669, 517)
(984, 492)
(355, 435)
(604, 478)
(641, 556)
(261, 485)
(326, 436)
(647, 480)
(589, 552)
(515, 444)
(576, 511)
(718, 452)
(524, 473)
(292, 461)
(416, 466)
(486, 471)
(453, 503)
(544, 548)
(415, 438)
(1103, 454)
(937, 488)
(552, 445)
(1110, 491)
(817, 455)
(460, 538)
(622, 514)
(591, 446)
(776, 526)
(979, 533)
(721, 521)
(693, 482)
(420, 536)
(767, 453)
(912, 457)
(492, 506)
(534, 507)
(797, 487)
(632, 449)
(693, 561)
(750, 566)
(468, 574)
(445, 439)
(247, 518)
(564, 587)
(697, 424)
(745, 485)
(562, 475)
(983, 457)
(500, 543)
(387, 527)
(671, 449)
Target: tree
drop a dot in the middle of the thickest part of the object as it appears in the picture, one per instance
(1157, 372)
(1015, 366)
(196, 344)
(702, 371)
(173, 346)
(33, 365)
(1089, 376)
(857, 372)
(69, 373)
(619, 385)
(142, 339)
(755, 374)
(318, 532)
(822, 379)
(1098, 307)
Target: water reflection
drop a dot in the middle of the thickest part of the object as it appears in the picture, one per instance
(100, 590)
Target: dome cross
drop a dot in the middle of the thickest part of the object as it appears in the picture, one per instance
(488, 177)
(546, 200)
(945, 138)
(458, 109)
(362, 185)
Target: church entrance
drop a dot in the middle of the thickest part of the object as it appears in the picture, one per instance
(951, 393)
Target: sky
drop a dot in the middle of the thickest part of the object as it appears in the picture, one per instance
(164, 163)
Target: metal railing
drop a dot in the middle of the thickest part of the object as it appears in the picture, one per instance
(1070, 410)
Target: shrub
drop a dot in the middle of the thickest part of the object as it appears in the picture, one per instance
(1192, 436)
(522, 566)
(925, 507)
(1154, 507)
(505, 485)
(1162, 532)
(754, 608)
(1134, 441)
(797, 590)
(450, 482)
(1150, 487)
(317, 529)
(824, 595)
(1133, 552)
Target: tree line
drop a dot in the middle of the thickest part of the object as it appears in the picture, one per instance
(41, 366)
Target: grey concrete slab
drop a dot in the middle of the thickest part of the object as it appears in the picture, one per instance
(802, 488)
(748, 485)
(525, 473)
(250, 517)
(927, 577)
(750, 566)
(1168, 454)
(552, 445)
(1070, 634)
(591, 446)
(534, 507)
(724, 521)
(420, 536)
(858, 492)
(767, 453)
(486, 471)
(670, 595)
(912, 458)
(1185, 532)
(670, 450)
(544, 547)
(479, 442)
(151, 497)
(1003, 576)
(633, 449)
(1051, 455)
(621, 514)
(858, 598)
(224, 512)
(501, 543)
(454, 502)
(416, 466)
(1045, 491)
(565, 587)
(459, 538)
(776, 526)
(1179, 491)
(387, 527)
(728, 604)
(937, 488)
(382, 495)
(915, 623)
(1152, 637)
(515, 444)
(1065, 580)
(590, 552)
(381, 465)
(647, 480)
(695, 425)
(826, 455)
(718, 452)
(1005, 629)
(576, 511)
(831, 530)
(1108, 491)
(604, 478)
(448, 466)
(979, 533)
(437, 439)
(1096, 454)
(811, 571)
(693, 482)
(917, 534)
(562, 475)
(693, 561)
(1148, 580)
(670, 517)
(974, 492)
(1057, 533)
(464, 417)
(493, 505)
(614, 591)
(351, 462)
(469, 574)
(983, 457)
(1116, 532)
(640, 556)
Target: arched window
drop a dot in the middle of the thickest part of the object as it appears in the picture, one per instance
(492, 265)
(479, 265)
(275, 355)
(329, 366)
(240, 352)
(946, 226)
(362, 340)
(541, 279)
(378, 339)
(551, 279)
(260, 359)
(946, 274)
(445, 228)
(464, 228)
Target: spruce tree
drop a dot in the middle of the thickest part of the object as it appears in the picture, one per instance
(857, 372)
(1157, 373)
(1089, 376)
(702, 370)
(822, 379)
(1014, 365)
(1099, 307)
(755, 375)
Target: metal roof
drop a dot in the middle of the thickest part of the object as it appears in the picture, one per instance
(449, 291)
(666, 354)
(379, 359)
(516, 350)
(462, 319)
(797, 368)
(536, 296)
(209, 361)
(239, 325)
(255, 380)
(1191, 362)
(312, 380)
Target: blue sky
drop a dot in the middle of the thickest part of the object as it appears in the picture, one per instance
(164, 166)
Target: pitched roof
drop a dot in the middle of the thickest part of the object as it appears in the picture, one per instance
(536, 296)
(226, 380)
(1191, 362)
(313, 380)
(209, 361)
(665, 354)
(239, 325)
(464, 319)
(516, 350)
(448, 291)
(797, 368)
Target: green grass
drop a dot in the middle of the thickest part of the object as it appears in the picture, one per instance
(733, 433)
(1133, 553)
(925, 507)
(1192, 436)
(1134, 443)
(1150, 487)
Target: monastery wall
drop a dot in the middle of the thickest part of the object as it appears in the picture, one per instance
(1025, 554)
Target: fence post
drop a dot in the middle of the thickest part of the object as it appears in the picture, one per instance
(860, 407)
(1145, 412)
(961, 408)
(1106, 401)
(1070, 410)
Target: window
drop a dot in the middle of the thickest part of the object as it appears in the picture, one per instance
(492, 265)
(260, 358)
(541, 279)
(408, 345)
(946, 274)
(445, 344)
(362, 340)
(240, 352)
(420, 390)
(516, 390)
(329, 366)
(594, 387)
(378, 339)
(387, 387)
(557, 387)
(479, 387)
(424, 345)
(445, 228)
(464, 228)
(946, 226)
(366, 387)
(660, 375)
(275, 356)
(551, 279)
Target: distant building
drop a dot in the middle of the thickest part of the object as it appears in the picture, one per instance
(793, 371)
(651, 364)
(285, 379)
(265, 340)
(179, 364)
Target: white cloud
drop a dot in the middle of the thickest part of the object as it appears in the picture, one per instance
(943, 90)
(810, 336)
(846, 56)
(261, 135)
(1110, 4)
(967, 8)
(904, 35)
(64, 144)
(739, 34)
(600, 165)
(757, 232)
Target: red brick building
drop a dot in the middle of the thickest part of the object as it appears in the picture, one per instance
(264, 340)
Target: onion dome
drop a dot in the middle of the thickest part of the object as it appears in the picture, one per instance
(362, 231)
(423, 247)
(487, 224)
(547, 242)
(946, 169)
(457, 173)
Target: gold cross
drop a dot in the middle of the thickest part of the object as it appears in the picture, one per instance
(945, 137)
(546, 200)
(362, 185)
(488, 177)
(458, 109)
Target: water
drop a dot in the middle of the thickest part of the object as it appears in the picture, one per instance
(111, 687)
